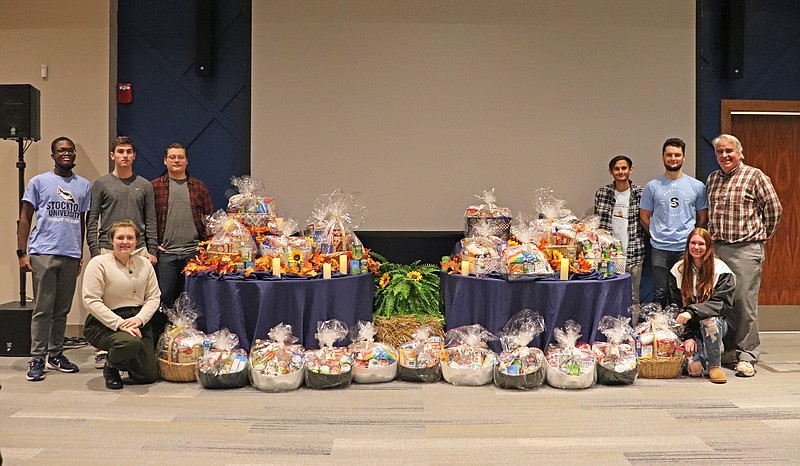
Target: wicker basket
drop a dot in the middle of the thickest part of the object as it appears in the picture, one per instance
(177, 372)
(399, 330)
(655, 367)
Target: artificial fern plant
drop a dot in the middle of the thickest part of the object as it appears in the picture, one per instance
(407, 290)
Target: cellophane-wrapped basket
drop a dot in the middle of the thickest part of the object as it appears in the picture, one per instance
(181, 344)
(518, 365)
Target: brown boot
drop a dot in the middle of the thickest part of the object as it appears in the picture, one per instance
(715, 375)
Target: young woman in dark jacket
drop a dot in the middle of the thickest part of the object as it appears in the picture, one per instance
(701, 285)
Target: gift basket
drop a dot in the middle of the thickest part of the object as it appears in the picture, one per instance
(333, 221)
(466, 358)
(499, 218)
(276, 365)
(293, 251)
(252, 206)
(616, 358)
(482, 249)
(329, 366)
(570, 365)
(372, 362)
(518, 365)
(231, 237)
(181, 344)
(223, 365)
(525, 258)
(419, 358)
(657, 344)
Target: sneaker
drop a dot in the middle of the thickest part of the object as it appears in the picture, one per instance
(36, 369)
(100, 359)
(716, 375)
(60, 362)
(745, 369)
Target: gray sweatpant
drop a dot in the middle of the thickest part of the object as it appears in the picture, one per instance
(54, 279)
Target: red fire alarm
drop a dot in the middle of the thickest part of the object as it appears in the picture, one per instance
(124, 93)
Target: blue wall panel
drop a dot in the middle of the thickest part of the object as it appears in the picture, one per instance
(208, 114)
(771, 64)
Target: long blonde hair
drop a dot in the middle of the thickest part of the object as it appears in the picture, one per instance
(705, 273)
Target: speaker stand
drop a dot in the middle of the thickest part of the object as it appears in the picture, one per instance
(23, 284)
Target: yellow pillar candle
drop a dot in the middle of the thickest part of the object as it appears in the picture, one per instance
(343, 263)
(326, 270)
(565, 268)
(465, 268)
(276, 266)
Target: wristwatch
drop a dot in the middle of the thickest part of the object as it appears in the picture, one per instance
(21, 253)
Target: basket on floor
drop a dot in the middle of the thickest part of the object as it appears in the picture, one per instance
(177, 372)
(664, 367)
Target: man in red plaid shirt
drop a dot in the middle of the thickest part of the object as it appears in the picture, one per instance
(182, 203)
(744, 212)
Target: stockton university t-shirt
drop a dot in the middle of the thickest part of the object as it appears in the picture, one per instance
(674, 204)
(58, 203)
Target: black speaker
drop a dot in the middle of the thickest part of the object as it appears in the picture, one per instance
(15, 329)
(19, 112)
(204, 38)
(733, 33)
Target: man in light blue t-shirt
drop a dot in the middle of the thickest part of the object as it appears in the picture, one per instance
(53, 253)
(671, 206)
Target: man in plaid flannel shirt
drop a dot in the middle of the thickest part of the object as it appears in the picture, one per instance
(744, 212)
(182, 203)
(617, 205)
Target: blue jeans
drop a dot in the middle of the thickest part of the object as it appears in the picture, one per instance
(662, 262)
(171, 280)
(709, 342)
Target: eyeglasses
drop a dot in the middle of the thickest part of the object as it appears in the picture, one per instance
(176, 157)
(68, 150)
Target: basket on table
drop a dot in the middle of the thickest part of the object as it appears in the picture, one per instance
(660, 367)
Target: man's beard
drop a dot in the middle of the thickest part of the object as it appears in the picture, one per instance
(673, 169)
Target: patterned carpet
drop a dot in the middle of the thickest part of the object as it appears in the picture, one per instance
(73, 419)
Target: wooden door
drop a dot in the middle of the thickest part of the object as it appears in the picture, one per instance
(770, 136)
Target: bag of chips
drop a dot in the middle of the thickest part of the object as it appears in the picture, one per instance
(276, 365)
(372, 362)
(223, 365)
(518, 365)
(329, 366)
(466, 358)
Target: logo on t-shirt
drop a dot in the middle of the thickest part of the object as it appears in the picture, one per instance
(674, 203)
(67, 209)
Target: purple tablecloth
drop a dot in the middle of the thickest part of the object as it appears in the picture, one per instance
(491, 302)
(250, 308)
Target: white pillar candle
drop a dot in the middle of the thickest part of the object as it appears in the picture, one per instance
(276, 266)
(326, 270)
(564, 268)
(343, 263)
(465, 268)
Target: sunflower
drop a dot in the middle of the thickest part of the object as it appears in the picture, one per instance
(384, 280)
(297, 255)
(414, 275)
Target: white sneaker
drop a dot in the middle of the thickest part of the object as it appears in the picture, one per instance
(100, 359)
(745, 369)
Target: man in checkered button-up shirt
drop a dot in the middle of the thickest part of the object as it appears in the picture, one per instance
(744, 211)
